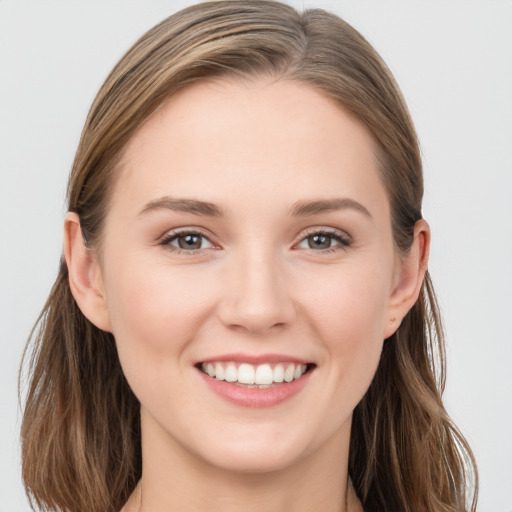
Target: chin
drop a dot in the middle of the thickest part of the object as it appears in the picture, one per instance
(253, 460)
(269, 450)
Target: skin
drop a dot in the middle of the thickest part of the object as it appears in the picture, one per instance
(256, 286)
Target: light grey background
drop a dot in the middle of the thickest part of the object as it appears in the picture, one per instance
(453, 60)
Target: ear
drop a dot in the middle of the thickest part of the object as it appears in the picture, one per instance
(85, 280)
(408, 279)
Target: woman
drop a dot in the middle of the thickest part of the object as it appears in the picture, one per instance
(243, 318)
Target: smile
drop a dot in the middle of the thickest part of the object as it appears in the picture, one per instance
(255, 382)
(259, 376)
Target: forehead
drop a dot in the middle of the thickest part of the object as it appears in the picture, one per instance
(224, 138)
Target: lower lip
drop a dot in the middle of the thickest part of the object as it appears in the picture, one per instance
(255, 397)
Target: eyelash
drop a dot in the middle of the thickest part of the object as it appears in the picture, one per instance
(344, 241)
(166, 241)
(342, 238)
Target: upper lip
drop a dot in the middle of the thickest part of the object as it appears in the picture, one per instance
(254, 359)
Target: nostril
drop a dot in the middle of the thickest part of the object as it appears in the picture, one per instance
(256, 308)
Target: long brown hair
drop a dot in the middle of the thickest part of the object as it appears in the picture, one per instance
(80, 434)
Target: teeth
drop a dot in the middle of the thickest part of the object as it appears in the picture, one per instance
(245, 374)
(262, 376)
(297, 373)
(219, 372)
(279, 373)
(288, 373)
(231, 374)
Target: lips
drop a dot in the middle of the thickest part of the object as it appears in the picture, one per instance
(261, 381)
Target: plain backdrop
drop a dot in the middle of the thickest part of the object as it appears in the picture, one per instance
(453, 61)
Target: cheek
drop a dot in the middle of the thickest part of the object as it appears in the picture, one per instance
(155, 311)
(348, 313)
(351, 302)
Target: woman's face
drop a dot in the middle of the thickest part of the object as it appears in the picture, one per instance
(249, 237)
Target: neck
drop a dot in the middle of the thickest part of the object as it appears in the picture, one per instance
(173, 479)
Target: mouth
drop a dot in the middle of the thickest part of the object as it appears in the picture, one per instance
(255, 376)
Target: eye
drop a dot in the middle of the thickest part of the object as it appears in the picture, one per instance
(186, 241)
(325, 241)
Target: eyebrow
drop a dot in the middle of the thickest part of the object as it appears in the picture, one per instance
(298, 209)
(306, 208)
(185, 206)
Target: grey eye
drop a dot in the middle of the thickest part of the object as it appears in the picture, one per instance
(319, 241)
(188, 241)
(322, 240)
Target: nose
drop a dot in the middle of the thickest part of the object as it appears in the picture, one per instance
(256, 297)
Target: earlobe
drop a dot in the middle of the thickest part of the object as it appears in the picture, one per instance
(85, 279)
(409, 278)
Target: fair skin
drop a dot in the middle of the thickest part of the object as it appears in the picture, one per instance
(262, 284)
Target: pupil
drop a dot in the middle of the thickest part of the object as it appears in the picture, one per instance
(319, 241)
(189, 242)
